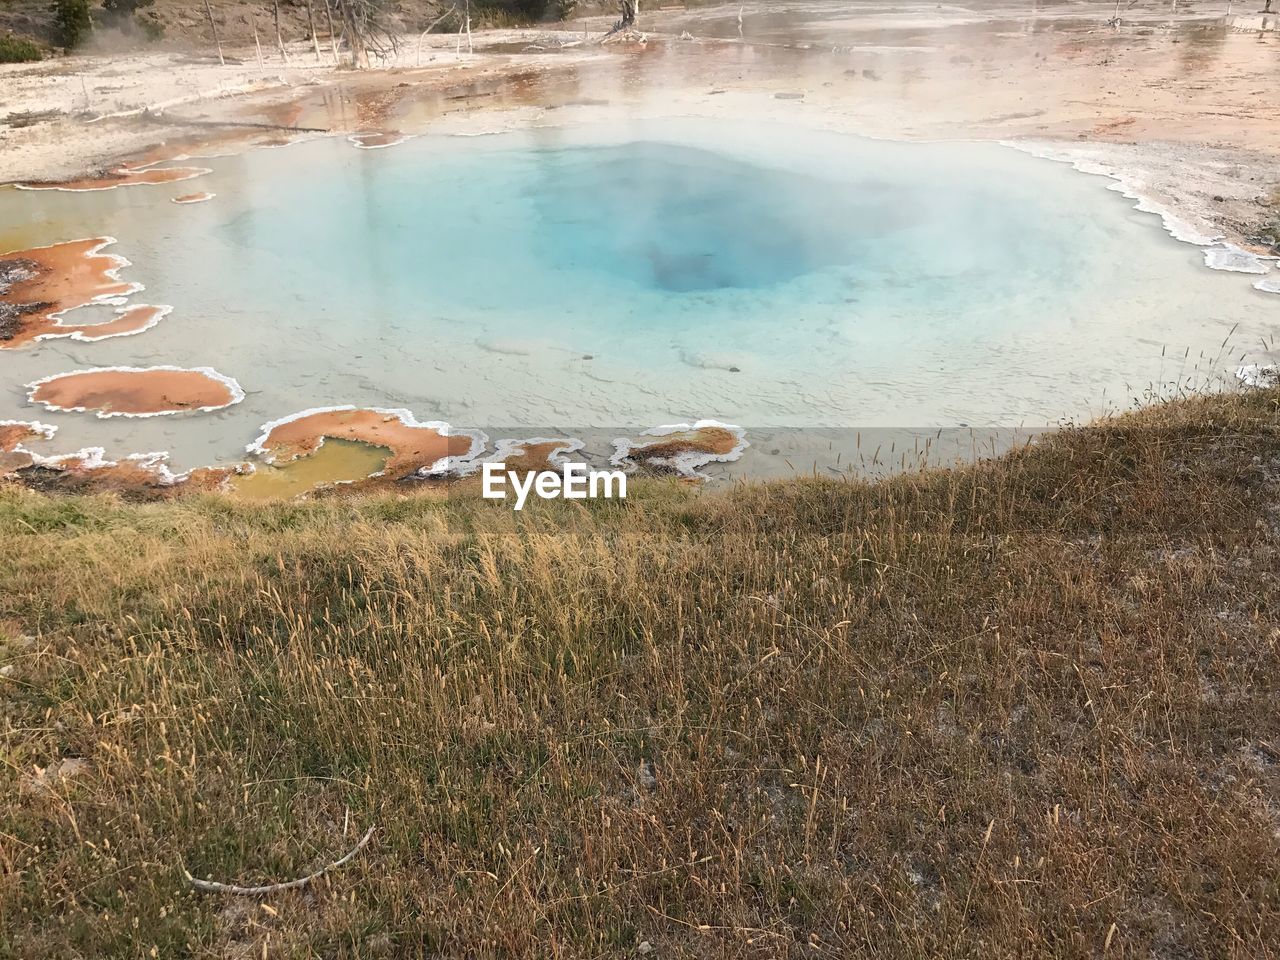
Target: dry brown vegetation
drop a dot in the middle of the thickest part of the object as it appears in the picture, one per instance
(1022, 709)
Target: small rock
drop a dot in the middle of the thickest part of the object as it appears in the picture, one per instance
(45, 779)
(734, 370)
(648, 775)
(645, 948)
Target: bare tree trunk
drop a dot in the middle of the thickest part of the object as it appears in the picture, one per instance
(214, 30)
(355, 35)
(311, 22)
(275, 13)
(256, 42)
(363, 22)
(465, 28)
(630, 13)
(333, 36)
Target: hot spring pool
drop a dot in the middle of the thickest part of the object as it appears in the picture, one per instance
(619, 277)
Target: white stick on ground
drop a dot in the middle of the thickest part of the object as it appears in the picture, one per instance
(212, 886)
(422, 36)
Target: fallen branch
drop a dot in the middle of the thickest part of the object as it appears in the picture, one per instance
(170, 119)
(212, 886)
(27, 118)
(627, 35)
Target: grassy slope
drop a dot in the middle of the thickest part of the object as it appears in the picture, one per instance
(1027, 708)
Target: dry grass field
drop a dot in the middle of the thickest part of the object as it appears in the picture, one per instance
(1022, 709)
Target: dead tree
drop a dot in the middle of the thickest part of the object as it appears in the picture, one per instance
(275, 13)
(257, 43)
(363, 23)
(627, 24)
(311, 24)
(355, 36)
(333, 35)
(213, 27)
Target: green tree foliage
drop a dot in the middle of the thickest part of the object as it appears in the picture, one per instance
(17, 50)
(120, 13)
(71, 22)
(523, 11)
(126, 8)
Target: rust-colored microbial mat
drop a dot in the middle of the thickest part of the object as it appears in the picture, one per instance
(416, 448)
(372, 141)
(137, 392)
(682, 448)
(13, 434)
(38, 284)
(195, 197)
(521, 457)
(16, 432)
(122, 176)
(128, 321)
(535, 455)
(143, 475)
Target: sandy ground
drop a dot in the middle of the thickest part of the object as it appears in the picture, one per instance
(1180, 104)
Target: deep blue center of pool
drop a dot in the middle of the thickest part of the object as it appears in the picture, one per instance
(680, 219)
(558, 228)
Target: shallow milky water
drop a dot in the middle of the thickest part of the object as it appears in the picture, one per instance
(612, 278)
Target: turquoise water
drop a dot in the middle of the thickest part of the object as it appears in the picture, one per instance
(647, 273)
(649, 235)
